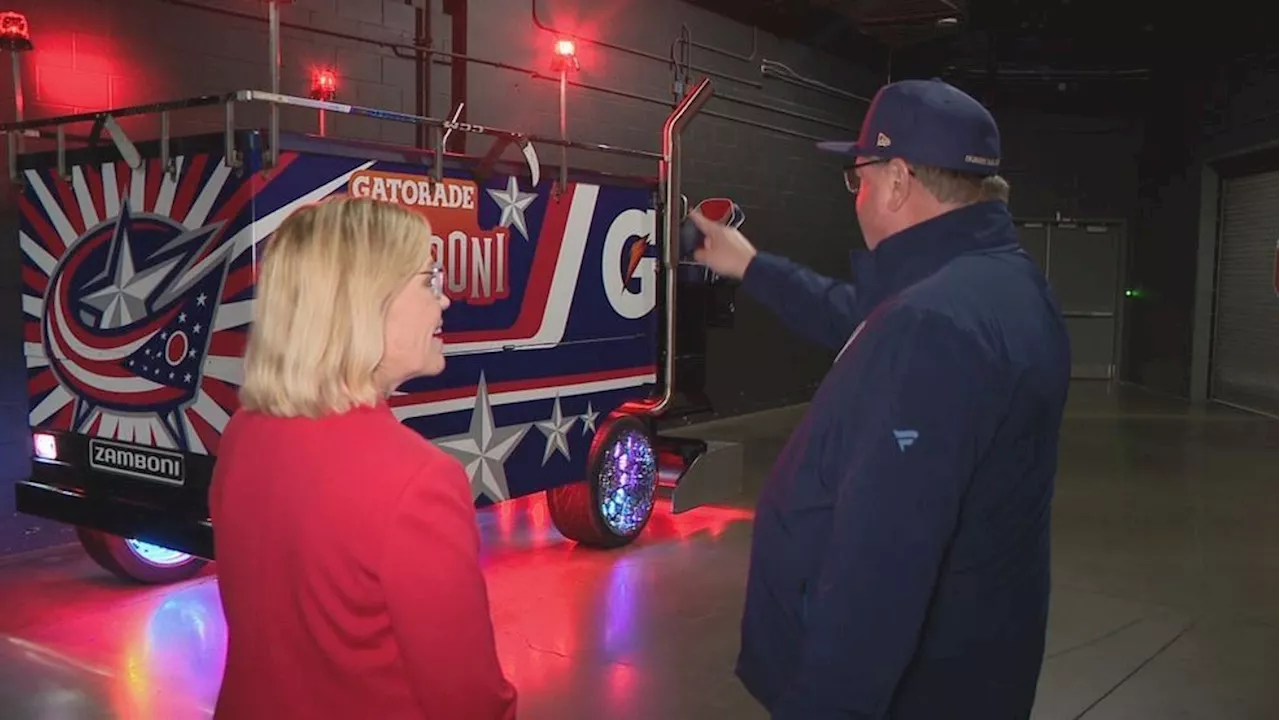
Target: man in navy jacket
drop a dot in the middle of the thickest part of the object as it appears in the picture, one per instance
(900, 556)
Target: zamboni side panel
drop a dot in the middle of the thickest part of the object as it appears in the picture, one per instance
(553, 302)
(552, 323)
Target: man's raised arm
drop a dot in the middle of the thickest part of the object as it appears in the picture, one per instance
(816, 307)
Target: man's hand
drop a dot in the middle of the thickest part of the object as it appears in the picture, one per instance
(724, 249)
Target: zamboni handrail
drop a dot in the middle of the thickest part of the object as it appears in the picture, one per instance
(669, 175)
(106, 119)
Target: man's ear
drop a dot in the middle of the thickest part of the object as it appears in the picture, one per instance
(900, 187)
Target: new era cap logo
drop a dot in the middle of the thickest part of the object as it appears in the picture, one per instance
(882, 140)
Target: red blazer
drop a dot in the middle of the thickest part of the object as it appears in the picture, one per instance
(347, 560)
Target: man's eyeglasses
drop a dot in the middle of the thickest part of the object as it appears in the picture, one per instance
(851, 180)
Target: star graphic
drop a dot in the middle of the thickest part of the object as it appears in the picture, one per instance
(123, 300)
(483, 449)
(556, 430)
(512, 202)
(589, 419)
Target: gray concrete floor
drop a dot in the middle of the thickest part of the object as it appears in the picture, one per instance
(1164, 604)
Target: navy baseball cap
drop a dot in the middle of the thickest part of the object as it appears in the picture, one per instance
(927, 122)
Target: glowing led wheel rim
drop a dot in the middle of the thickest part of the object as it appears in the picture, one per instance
(610, 506)
(626, 483)
(156, 555)
(138, 561)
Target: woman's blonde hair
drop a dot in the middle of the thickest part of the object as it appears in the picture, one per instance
(324, 284)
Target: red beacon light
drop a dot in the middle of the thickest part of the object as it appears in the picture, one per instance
(566, 56)
(324, 85)
(15, 33)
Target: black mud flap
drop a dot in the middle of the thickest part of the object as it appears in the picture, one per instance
(699, 472)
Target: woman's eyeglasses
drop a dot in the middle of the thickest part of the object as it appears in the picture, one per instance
(435, 276)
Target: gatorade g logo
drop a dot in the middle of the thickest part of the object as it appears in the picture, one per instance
(629, 267)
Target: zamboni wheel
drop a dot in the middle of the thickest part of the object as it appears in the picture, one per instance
(613, 504)
(137, 561)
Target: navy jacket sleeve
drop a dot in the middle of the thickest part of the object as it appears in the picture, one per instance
(818, 308)
(900, 461)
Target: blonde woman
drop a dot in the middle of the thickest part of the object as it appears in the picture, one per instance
(347, 544)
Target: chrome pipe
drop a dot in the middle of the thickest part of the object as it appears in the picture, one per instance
(669, 169)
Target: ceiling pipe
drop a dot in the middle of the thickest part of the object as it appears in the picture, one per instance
(412, 52)
(533, 6)
(685, 38)
(755, 44)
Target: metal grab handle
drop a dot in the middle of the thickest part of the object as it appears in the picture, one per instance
(669, 169)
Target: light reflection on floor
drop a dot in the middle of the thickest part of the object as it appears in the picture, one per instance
(76, 643)
(1164, 570)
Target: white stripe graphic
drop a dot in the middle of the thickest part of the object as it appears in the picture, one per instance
(440, 407)
(107, 428)
(83, 197)
(124, 429)
(35, 354)
(38, 255)
(212, 412)
(138, 189)
(226, 369)
(110, 193)
(251, 235)
(204, 203)
(52, 208)
(235, 314)
(162, 436)
(168, 186)
(193, 440)
(563, 283)
(32, 305)
(52, 403)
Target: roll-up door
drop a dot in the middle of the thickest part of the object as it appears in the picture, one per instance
(1243, 361)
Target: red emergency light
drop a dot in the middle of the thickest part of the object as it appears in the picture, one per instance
(324, 85)
(15, 34)
(566, 56)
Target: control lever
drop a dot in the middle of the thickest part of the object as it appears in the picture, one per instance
(720, 210)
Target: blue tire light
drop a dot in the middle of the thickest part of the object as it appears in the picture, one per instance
(627, 482)
(156, 555)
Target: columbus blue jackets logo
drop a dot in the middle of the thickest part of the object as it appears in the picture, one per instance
(128, 315)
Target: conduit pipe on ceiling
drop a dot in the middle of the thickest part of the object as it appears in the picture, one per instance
(533, 6)
(773, 68)
(685, 37)
(755, 45)
(413, 52)
(684, 80)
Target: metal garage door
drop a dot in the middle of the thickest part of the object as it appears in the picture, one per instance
(1081, 260)
(1243, 360)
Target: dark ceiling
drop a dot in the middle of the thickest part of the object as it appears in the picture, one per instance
(1013, 42)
